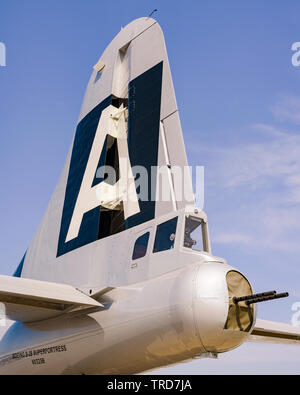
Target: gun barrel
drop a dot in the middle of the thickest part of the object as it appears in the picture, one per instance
(254, 296)
(266, 298)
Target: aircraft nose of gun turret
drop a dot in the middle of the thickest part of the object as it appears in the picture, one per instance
(222, 324)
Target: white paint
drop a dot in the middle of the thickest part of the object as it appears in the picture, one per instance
(112, 122)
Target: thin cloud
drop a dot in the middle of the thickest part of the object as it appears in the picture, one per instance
(232, 238)
(287, 109)
(260, 186)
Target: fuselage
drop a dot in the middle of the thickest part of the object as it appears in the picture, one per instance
(166, 320)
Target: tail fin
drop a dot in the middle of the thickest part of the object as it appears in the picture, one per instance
(128, 131)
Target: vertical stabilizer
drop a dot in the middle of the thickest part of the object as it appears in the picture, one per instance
(123, 167)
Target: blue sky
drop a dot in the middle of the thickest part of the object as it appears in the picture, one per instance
(239, 100)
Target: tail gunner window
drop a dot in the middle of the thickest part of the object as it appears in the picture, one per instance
(193, 233)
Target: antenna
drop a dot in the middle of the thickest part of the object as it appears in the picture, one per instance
(152, 13)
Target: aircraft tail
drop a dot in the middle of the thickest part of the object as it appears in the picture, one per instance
(127, 165)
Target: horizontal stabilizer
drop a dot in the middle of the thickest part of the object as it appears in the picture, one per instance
(28, 300)
(275, 332)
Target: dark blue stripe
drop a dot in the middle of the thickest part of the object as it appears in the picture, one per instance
(84, 138)
(18, 272)
(143, 131)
